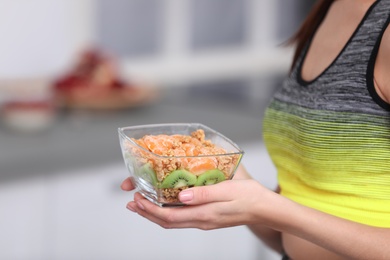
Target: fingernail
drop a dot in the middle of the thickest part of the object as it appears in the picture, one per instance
(186, 195)
(130, 208)
(139, 204)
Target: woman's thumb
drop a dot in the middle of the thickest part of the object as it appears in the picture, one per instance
(204, 194)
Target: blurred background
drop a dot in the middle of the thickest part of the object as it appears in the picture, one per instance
(73, 71)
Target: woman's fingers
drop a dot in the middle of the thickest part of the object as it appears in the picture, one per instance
(221, 192)
(154, 213)
(202, 216)
(127, 185)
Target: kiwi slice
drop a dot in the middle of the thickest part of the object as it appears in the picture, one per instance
(178, 179)
(210, 177)
(147, 173)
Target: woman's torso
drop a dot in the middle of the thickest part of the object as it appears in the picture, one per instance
(322, 58)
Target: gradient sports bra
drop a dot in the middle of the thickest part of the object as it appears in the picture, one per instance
(330, 138)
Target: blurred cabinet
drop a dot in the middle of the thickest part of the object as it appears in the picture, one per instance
(82, 215)
(24, 220)
(180, 41)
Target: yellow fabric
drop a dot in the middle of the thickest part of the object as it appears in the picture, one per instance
(335, 162)
(373, 212)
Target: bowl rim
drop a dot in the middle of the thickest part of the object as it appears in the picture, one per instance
(200, 125)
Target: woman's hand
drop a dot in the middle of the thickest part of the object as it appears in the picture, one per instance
(226, 204)
(229, 203)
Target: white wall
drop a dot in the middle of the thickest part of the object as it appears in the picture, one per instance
(39, 38)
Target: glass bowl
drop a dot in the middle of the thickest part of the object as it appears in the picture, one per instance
(164, 159)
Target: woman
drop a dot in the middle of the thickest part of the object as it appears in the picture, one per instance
(328, 132)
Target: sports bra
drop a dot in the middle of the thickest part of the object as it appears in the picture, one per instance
(329, 138)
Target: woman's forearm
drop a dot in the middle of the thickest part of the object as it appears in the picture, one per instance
(268, 236)
(346, 238)
(272, 238)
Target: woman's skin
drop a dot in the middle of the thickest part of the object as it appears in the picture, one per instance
(282, 224)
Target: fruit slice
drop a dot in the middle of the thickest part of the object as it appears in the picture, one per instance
(178, 179)
(201, 164)
(147, 173)
(210, 177)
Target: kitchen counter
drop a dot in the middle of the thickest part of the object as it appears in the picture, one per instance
(81, 139)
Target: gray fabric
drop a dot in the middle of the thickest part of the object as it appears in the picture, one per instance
(346, 84)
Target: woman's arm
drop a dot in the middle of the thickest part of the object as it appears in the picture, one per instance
(346, 238)
(246, 202)
(270, 237)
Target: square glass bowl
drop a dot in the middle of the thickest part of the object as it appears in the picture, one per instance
(164, 159)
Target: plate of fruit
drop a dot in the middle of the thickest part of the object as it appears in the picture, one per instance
(93, 83)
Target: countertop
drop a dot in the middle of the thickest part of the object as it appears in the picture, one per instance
(81, 138)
